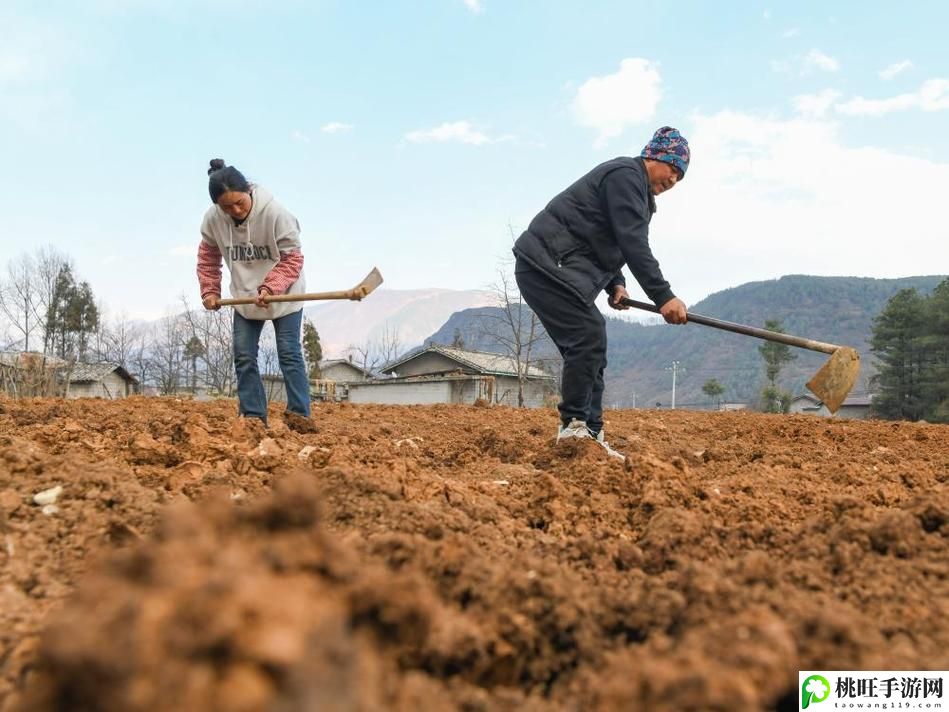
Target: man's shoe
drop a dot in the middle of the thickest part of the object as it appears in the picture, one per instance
(574, 429)
(606, 446)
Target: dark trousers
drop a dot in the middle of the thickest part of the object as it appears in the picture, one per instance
(579, 332)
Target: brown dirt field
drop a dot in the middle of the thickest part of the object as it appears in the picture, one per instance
(450, 558)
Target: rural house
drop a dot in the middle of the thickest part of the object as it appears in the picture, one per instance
(24, 374)
(855, 406)
(343, 370)
(337, 375)
(100, 380)
(442, 374)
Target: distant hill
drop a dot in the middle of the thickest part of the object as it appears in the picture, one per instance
(838, 310)
(414, 314)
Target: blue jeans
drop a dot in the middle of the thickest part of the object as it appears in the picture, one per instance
(251, 397)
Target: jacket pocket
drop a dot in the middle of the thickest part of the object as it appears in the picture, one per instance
(561, 244)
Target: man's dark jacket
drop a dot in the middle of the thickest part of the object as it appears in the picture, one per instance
(585, 235)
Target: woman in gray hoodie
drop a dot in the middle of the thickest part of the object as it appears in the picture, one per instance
(259, 240)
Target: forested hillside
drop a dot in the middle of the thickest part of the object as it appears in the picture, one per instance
(834, 309)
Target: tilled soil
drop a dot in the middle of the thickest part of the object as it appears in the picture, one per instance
(451, 557)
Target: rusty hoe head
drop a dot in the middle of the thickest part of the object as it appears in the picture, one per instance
(835, 379)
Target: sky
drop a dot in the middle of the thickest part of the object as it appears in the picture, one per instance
(420, 136)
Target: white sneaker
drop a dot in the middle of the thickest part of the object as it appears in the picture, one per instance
(606, 446)
(574, 429)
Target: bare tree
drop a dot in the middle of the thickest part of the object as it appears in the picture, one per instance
(27, 293)
(167, 353)
(49, 263)
(117, 341)
(139, 359)
(7, 342)
(18, 297)
(376, 353)
(215, 331)
(268, 361)
(389, 345)
(364, 355)
(514, 327)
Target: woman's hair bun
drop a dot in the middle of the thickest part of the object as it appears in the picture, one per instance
(216, 165)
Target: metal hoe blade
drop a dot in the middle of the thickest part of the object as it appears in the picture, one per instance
(835, 378)
(372, 280)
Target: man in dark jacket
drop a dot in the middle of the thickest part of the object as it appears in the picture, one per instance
(577, 246)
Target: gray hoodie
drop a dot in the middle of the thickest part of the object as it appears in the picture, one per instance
(252, 248)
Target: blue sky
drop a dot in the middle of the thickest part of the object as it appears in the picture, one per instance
(416, 135)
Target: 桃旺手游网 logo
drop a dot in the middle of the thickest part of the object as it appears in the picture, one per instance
(815, 688)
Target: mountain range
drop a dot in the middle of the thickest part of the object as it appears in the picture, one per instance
(408, 315)
(838, 310)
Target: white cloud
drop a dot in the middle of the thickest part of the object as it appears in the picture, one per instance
(456, 131)
(188, 250)
(815, 105)
(611, 103)
(858, 106)
(933, 95)
(298, 136)
(767, 197)
(336, 127)
(474, 6)
(894, 69)
(815, 59)
(766, 14)
(793, 32)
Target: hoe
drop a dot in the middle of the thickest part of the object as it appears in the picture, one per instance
(371, 281)
(831, 383)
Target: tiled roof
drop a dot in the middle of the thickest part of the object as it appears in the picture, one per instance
(85, 372)
(346, 362)
(479, 361)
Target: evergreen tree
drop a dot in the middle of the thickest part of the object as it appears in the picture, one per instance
(899, 346)
(57, 320)
(934, 378)
(194, 350)
(71, 317)
(312, 349)
(83, 318)
(775, 355)
(713, 388)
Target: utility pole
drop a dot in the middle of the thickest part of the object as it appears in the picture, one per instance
(634, 400)
(674, 368)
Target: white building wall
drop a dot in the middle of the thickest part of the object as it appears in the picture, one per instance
(809, 408)
(419, 393)
(466, 392)
(535, 391)
(857, 412)
(86, 390)
(113, 386)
